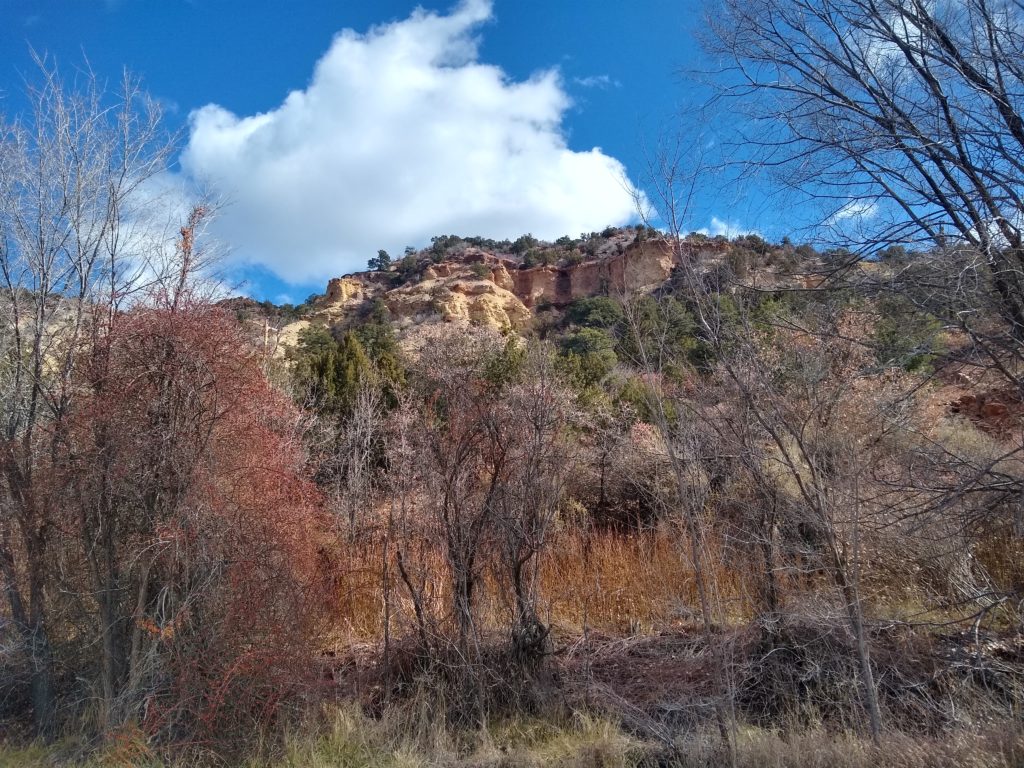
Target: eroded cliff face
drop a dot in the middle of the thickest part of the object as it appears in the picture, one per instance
(342, 290)
(491, 290)
(349, 293)
(484, 289)
(640, 267)
(285, 338)
(472, 286)
(460, 296)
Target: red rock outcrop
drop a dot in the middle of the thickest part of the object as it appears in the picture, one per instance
(994, 411)
(640, 267)
(502, 294)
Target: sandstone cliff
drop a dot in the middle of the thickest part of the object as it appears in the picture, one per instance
(460, 296)
(496, 290)
(639, 267)
(501, 285)
(488, 287)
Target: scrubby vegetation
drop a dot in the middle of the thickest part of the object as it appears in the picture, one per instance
(662, 526)
(765, 513)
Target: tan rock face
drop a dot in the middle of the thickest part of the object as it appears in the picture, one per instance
(435, 271)
(288, 336)
(482, 289)
(277, 341)
(501, 277)
(342, 290)
(641, 267)
(461, 297)
(347, 294)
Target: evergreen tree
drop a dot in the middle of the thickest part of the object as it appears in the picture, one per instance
(381, 262)
(378, 340)
(330, 379)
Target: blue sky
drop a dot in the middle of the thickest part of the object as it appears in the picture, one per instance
(475, 117)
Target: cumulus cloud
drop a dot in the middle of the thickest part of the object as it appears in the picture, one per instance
(402, 133)
(730, 229)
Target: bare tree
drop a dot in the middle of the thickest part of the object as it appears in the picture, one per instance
(800, 401)
(904, 122)
(673, 184)
(902, 117)
(540, 412)
(479, 455)
(74, 246)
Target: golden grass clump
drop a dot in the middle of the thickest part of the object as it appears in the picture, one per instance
(597, 580)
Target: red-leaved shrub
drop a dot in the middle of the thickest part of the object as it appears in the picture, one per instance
(204, 557)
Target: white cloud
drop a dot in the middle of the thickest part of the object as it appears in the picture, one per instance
(401, 134)
(855, 210)
(597, 81)
(167, 106)
(725, 228)
(151, 218)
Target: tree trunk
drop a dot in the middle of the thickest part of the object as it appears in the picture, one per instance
(528, 632)
(42, 691)
(114, 655)
(856, 617)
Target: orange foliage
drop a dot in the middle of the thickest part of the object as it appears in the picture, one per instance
(193, 463)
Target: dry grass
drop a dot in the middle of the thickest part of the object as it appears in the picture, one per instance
(996, 749)
(627, 584)
(1002, 556)
(353, 741)
(631, 584)
(620, 584)
(348, 739)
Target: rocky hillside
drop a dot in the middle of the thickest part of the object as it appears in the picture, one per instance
(503, 285)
